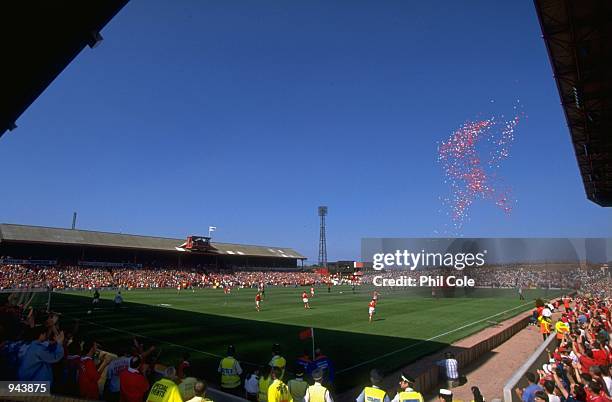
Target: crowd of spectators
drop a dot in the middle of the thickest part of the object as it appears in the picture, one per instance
(38, 346)
(592, 280)
(578, 369)
(35, 345)
(76, 277)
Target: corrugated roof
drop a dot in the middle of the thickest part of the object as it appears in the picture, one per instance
(45, 235)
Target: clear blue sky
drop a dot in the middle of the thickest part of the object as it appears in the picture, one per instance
(248, 115)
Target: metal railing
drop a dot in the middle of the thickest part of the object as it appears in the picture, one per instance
(536, 360)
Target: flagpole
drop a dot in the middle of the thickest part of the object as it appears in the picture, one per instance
(313, 343)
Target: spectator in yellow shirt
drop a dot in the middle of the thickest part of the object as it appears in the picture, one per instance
(278, 390)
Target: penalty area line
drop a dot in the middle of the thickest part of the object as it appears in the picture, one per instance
(429, 339)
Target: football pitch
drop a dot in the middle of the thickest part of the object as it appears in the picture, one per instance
(204, 322)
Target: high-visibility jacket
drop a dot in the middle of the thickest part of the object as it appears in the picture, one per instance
(264, 384)
(280, 362)
(544, 326)
(410, 396)
(316, 393)
(230, 378)
(562, 328)
(372, 394)
(164, 390)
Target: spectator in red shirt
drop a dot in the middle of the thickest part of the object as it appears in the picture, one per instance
(586, 361)
(89, 374)
(594, 392)
(599, 355)
(133, 385)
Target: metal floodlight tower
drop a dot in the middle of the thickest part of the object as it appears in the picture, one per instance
(322, 240)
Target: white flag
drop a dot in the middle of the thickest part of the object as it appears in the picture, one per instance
(212, 228)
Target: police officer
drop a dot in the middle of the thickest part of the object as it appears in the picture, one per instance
(374, 393)
(406, 392)
(317, 392)
(278, 360)
(230, 371)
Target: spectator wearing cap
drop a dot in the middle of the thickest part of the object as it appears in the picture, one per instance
(133, 386)
(374, 393)
(40, 355)
(451, 369)
(200, 392)
(317, 392)
(297, 386)
(230, 371)
(527, 394)
(406, 392)
(165, 390)
(187, 383)
(445, 395)
(278, 360)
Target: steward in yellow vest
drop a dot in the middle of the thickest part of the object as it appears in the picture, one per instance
(165, 390)
(317, 392)
(374, 393)
(264, 383)
(278, 360)
(406, 393)
(230, 370)
(562, 328)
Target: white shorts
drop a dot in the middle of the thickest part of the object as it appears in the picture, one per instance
(305, 300)
(257, 303)
(371, 310)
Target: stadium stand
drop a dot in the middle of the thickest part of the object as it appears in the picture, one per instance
(68, 246)
(58, 31)
(578, 37)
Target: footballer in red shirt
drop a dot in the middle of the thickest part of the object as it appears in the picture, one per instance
(371, 309)
(305, 300)
(258, 301)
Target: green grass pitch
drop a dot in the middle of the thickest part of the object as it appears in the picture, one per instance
(407, 325)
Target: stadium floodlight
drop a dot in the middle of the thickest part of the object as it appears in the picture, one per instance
(322, 238)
